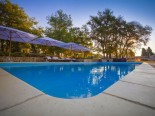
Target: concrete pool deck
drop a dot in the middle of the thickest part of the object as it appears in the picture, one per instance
(133, 95)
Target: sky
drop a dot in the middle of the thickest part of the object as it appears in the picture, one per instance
(81, 10)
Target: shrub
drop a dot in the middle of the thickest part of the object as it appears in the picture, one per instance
(16, 54)
(3, 53)
(35, 55)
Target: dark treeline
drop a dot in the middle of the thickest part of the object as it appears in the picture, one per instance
(147, 52)
(104, 33)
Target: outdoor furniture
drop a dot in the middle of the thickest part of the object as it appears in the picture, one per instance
(46, 41)
(11, 34)
(48, 58)
(74, 47)
(66, 60)
(55, 59)
(119, 59)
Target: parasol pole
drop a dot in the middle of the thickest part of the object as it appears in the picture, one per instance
(46, 49)
(10, 45)
(71, 52)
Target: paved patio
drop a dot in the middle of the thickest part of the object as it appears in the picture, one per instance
(152, 63)
(134, 95)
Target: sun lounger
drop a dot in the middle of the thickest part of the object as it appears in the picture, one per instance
(119, 60)
(48, 58)
(55, 59)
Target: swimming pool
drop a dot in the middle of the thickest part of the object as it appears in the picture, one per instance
(70, 80)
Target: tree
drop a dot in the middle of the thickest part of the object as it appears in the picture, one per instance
(144, 52)
(115, 36)
(60, 23)
(80, 36)
(11, 15)
(61, 28)
(149, 52)
(101, 30)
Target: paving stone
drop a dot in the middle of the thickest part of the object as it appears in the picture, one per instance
(140, 78)
(134, 92)
(100, 105)
(14, 91)
(145, 68)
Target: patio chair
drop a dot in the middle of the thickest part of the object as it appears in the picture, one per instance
(55, 59)
(48, 58)
(119, 60)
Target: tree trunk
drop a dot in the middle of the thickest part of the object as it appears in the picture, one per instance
(116, 52)
(110, 55)
(2, 45)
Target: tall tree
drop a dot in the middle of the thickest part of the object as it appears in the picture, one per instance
(149, 52)
(60, 23)
(61, 28)
(12, 15)
(115, 36)
(144, 52)
(102, 30)
(80, 36)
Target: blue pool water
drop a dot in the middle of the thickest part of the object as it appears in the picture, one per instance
(70, 80)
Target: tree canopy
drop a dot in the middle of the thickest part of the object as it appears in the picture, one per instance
(11, 15)
(60, 23)
(115, 36)
(61, 28)
(147, 52)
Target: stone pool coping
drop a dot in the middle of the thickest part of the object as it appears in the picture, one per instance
(134, 95)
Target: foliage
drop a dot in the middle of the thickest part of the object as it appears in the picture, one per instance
(3, 53)
(35, 55)
(17, 54)
(60, 23)
(11, 15)
(115, 36)
(61, 29)
(147, 52)
(144, 52)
